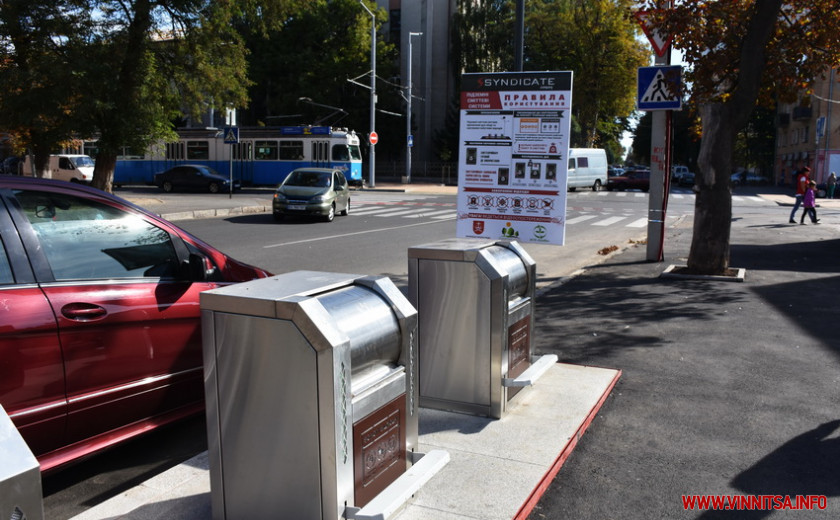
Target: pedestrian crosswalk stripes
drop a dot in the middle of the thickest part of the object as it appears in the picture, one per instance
(642, 222)
(378, 210)
(580, 213)
(582, 218)
(434, 214)
(608, 221)
(424, 211)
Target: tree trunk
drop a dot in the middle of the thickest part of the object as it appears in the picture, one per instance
(713, 204)
(40, 161)
(103, 171)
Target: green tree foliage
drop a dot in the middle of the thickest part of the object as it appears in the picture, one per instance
(39, 90)
(741, 54)
(596, 39)
(313, 54)
(482, 36)
(122, 70)
(153, 60)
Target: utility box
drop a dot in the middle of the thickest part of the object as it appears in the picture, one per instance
(312, 401)
(475, 303)
(21, 496)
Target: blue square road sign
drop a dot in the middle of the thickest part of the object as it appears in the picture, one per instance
(659, 88)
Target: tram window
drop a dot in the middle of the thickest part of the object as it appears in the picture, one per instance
(355, 152)
(340, 152)
(291, 150)
(175, 150)
(265, 150)
(198, 150)
(128, 153)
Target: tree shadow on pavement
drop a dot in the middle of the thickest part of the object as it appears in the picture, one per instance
(816, 256)
(590, 318)
(804, 466)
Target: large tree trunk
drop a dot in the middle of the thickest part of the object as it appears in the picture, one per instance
(713, 204)
(721, 120)
(103, 171)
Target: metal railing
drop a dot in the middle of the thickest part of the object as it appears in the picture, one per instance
(421, 171)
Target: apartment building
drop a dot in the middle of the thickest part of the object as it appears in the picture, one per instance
(432, 72)
(808, 132)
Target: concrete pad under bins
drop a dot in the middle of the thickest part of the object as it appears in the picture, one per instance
(498, 469)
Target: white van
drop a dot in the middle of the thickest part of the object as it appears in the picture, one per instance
(587, 168)
(65, 167)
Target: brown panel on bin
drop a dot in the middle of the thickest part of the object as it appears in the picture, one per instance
(379, 450)
(519, 351)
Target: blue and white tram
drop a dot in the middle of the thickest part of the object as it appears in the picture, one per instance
(263, 156)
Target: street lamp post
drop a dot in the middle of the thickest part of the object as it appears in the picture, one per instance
(372, 153)
(408, 137)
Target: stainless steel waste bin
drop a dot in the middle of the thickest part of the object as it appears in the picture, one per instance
(21, 496)
(475, 304)
(312, 401)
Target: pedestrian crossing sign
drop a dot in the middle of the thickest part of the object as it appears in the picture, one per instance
(660, 88)
(231, 134)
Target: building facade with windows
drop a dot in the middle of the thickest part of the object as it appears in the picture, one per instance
(432, 70)
(808, 132)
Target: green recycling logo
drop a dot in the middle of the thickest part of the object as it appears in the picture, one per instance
(509, 232)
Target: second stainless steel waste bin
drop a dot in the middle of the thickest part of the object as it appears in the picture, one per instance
(311, 389)
(475, 305)
(20, 475)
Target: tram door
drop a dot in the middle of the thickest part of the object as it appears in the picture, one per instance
(321, 154)
(243, 161)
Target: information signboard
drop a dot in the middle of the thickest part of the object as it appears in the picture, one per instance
(514, 140)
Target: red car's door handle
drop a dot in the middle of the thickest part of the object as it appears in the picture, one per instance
(83, 311)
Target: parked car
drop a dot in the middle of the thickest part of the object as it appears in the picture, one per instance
(100, 330)
(744, 178)
(615, 171)
(312, 192)
(634, 180)
(194, 177)
(686, 179)
(11, 165)
(678, 172)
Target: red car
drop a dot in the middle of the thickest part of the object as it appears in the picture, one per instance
(635, 180)
(100, 330)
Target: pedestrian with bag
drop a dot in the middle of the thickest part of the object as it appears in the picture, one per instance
(801, 180)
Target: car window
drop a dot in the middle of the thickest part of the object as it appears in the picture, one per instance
(308, 178)
(5, 269)
(83, 239)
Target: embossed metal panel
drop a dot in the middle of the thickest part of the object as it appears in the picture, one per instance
(379, 450)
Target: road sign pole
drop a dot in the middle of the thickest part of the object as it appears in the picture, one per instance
(660, 160)
(231, 137)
